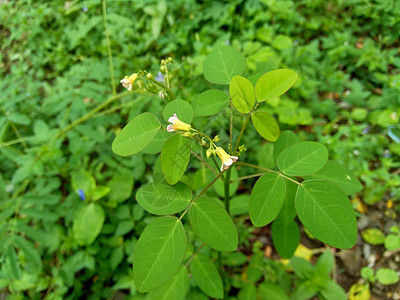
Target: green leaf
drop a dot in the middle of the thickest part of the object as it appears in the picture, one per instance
(83, 180)
(181, 108)
(266, 199)
(116, 258)
(265, 125)
(270, 290)
(19, 118)
(175, 157)
(240, 205)
(387, 276)
(392, 242)
(121, 186)
(160, 198)
(302, 158)
(368, 274)
(330, 290)
(213, 225)
(275, 83)
(286, 139)
(222, 64)
(175, 289)
(286, 237)
(100, 192)
(333, 171)
(302, 268)
(159, 253)
(248, 292)
(373, 236)
(305, 290)
(327, 213)
(206, 276)
(11, 258)
(288, 211)
(136, 135)
(157, 142)
(324, 265)
(242, 94)
(88, 223)
(28, 248)
(209, 102)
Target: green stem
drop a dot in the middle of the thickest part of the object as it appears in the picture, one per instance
(204, 162)
(171, 95)
(199, 195)
(12, 142)
(194, 254)
(244, 127)
(247, 177)
(114, 89)
(268, 170)
(226, 190)
(230, 129)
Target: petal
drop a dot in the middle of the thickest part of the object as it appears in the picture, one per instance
(234, 158)
(222, 167)
(170, 128)
(228, 162)
(173, 119)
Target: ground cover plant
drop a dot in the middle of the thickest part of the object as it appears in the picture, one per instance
(74, 214)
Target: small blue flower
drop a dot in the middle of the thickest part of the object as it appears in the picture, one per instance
(81, 194)
(85, 9)
(227, 42)
(366, 130)
(160, 77)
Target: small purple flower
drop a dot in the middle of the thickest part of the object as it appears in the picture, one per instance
(85, 9)
(81, 194)
(227, 42)
(387, 153)
(160, 77)
(366, 130)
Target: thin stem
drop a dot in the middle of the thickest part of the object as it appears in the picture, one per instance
(204, 162)
(89, 115)
(227, 197)
(230, 129)
(247, 177)
(107, 33)
(255, 166)
(166, 74)
(169, 92)
(199, 195)
(268, 170)
(206, 136)
(12, 142)
(19, 136)
(244, 127)
(194, 254)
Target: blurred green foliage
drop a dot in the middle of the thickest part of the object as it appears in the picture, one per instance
(55, 71)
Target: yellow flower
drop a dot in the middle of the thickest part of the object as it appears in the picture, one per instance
(177, 124)
(127, 82)
(226, 159)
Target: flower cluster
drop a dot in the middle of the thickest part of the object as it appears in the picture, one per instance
(226, 159)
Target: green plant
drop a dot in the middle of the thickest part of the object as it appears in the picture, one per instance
(319, 200)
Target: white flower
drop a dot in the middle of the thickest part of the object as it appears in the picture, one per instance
(226, 159)
(127, 82)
